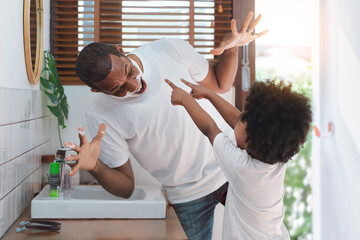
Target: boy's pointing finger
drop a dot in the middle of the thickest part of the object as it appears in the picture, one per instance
(173, 86)
(187, 83)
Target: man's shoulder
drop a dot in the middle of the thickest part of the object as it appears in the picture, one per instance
(170, 41)
(100, 104)
(106, 108)
(164, 44)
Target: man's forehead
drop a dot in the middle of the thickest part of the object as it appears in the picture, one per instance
(117, 61)
(113, 57)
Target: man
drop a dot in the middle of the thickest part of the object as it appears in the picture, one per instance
(139, 119)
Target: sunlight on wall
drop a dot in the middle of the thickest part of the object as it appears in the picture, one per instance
(289, 22)
(349, 84)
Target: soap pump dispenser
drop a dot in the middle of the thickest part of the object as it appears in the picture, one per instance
(54, 179)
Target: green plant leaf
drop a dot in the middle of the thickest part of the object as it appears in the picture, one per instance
(47, 84)
(45, 69)
(65, 99)
(61, 89)
(52, 98)
(52, 78)
(64, 106)
(55, 110)
(52, 65)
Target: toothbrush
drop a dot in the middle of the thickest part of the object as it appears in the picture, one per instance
(41, 227)
(46, 222)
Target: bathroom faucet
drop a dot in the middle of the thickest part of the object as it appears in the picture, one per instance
(65, 182)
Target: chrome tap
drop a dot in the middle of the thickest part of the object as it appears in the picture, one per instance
(65, 181)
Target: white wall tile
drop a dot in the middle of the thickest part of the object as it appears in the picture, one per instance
(2, 179)
(11, 177)
(17, 200)
(7, 210)
(4, 150)
(24, 127)
(5, 109)
(20, 105)
(13, 104)
(15, 137)
(2, 217)
(2, 107)
(5, 144)
(27, 105)
(7, 179)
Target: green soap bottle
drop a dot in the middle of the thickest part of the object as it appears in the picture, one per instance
(54, 179)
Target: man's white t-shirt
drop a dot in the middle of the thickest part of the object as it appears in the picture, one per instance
(162, 137)
(254, 203)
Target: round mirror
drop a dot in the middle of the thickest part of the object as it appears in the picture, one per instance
(33, 38)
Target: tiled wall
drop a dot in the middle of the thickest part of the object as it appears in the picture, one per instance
(24, 128)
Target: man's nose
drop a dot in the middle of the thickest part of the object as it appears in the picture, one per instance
(133, 84)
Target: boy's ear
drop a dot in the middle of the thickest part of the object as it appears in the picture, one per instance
(120, 49)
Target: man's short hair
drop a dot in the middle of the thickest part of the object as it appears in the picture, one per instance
(278, 121)
(93, 63)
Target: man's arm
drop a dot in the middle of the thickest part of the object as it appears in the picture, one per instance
(118, 181)
(200, 117)
(228, 112)
(221, 76)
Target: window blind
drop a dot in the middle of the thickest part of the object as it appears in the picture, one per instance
(33, 31)
(130, 24)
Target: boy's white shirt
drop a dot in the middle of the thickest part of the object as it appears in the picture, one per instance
(162, 137)
(254, 203)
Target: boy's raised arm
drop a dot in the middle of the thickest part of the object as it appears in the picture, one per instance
(227, 111)
(200, 117)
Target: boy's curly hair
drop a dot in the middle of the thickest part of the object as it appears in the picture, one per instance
(278, 121)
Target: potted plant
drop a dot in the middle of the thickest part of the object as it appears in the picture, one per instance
(58, 106)
(51, 86)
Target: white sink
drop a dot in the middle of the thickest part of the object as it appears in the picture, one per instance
(93, 201)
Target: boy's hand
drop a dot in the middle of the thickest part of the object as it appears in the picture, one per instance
(237, 39)
(177, 95)
(197, 91)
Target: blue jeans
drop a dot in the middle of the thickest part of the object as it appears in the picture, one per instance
(197, 216)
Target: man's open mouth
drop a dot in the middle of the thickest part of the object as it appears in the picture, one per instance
(142, 86)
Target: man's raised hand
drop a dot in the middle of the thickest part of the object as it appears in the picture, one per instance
(237, 39)
(87, 153)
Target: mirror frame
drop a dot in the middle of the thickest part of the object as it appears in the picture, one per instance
(33, 72)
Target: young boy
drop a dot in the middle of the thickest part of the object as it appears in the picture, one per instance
(274, 123)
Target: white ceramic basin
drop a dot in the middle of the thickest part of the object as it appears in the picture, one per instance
(93, 201)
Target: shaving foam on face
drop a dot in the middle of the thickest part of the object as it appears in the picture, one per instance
(138, 78)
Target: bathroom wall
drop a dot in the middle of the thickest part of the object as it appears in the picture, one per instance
(24, 121)
(336, 165)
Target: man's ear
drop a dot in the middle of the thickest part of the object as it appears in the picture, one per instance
(120, 49)
(94, 90)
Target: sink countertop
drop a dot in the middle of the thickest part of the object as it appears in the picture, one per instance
(168, 228)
